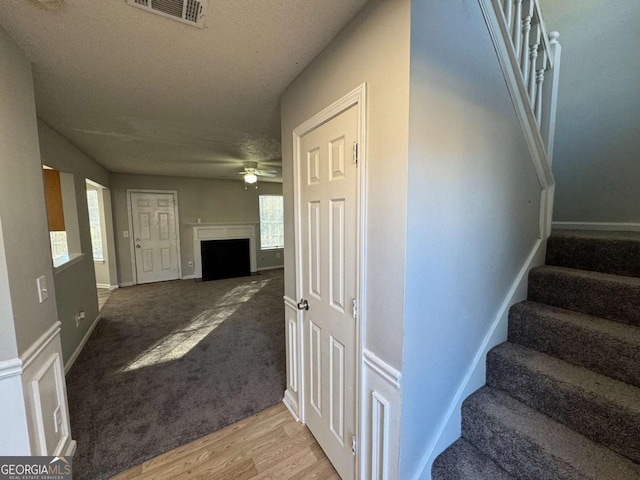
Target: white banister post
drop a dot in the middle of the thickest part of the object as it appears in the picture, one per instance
(533, 62)
(550, 96)
(539, 86)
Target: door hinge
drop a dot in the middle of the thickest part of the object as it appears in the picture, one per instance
(355, 308)
(355, 153)
(353, 445)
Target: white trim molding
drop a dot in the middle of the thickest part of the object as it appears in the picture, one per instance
(10, 368)
(381, 419)
(273, 267)
(203, 232)
(475, 377)
(45, 395)
(70, 361)
(602, 226)
(293, 331)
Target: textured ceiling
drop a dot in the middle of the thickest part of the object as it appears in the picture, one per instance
(141, 93)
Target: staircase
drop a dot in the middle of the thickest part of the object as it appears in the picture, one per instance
(562, 399)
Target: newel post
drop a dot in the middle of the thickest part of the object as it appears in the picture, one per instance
(550, 96)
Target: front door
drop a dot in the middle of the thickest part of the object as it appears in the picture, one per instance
(155, 236)
(328, 214)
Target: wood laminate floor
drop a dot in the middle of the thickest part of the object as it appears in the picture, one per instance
(268, 445)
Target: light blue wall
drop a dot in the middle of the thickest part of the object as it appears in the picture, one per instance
(472, 217)
(597, 146)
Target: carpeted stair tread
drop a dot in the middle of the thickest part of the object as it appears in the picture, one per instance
(603, 409)
(608, 252)
(530, 445)
(614, 297)
(607, 347)
(463, 461)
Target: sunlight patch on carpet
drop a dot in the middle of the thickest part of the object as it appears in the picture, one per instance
(179, 343)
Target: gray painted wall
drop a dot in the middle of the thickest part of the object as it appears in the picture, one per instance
(211, 200)
(76, 285)
(372, 48)
(472, 216)
(22, 207)
(597, 144)
(24, 239)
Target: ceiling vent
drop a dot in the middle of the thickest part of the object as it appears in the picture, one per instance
(186, 11)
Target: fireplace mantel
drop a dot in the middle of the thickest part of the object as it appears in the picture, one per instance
(222, 231)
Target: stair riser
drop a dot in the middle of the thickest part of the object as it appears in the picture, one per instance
(514, 452)
(594, 417)
(607, 355)
(618, 257)
(603, 298)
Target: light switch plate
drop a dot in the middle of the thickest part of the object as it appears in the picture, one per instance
(125, 234)
(43, 294)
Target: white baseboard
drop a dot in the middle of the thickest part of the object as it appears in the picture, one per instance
(103, 285)
(273, 267)
(69, 363)
(127, 284)
(288, 403)
(188, 277)
(449, 429)
(604, 226)
(71, 449)
(113, 287)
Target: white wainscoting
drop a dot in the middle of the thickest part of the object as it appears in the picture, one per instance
(449, 430)
(380, 423)
(45, 396)
(292, 396)
(220, 231)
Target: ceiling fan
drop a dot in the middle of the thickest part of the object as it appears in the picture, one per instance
(251, 173)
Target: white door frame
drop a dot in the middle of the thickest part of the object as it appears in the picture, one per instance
(356, 98)
(134, 270)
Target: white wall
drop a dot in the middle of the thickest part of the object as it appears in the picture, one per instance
(212, 200)
(597, 143)
(372, 48)
(472, 215)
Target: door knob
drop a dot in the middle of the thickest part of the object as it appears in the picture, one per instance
(303, 304)
(137, 246)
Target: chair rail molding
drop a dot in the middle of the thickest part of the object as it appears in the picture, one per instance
(380, 428)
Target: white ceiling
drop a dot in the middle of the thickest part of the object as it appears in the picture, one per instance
(141, 93)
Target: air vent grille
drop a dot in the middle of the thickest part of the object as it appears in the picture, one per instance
(186, 11)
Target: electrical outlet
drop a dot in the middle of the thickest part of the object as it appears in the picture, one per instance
(277, 254)
(125, 234)
(190, 263)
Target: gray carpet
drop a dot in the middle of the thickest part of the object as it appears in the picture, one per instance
(171, 362)
(562, 399)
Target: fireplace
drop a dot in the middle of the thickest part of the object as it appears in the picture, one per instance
(225, 258)
(204, 232)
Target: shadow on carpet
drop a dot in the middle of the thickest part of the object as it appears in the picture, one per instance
(171, 362)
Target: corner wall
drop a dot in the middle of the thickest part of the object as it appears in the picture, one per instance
(212, 200)
(75, 285)
(472, 221)
(597, 143)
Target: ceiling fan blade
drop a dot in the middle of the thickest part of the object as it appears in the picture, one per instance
(267, 173)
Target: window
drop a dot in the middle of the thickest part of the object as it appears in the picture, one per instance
(271, 222)
(94, 224)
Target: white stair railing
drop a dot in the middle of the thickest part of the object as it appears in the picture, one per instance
(530, 60)
(538, 55)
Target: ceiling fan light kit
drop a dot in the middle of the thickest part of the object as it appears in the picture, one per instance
(250, 173)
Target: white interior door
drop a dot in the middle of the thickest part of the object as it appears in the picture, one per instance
(328, 215)
(155, 236)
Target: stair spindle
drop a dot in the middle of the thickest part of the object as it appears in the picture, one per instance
(539, 85)
(516, 32)
(508, 13)
(533, 62)
(526, 32)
